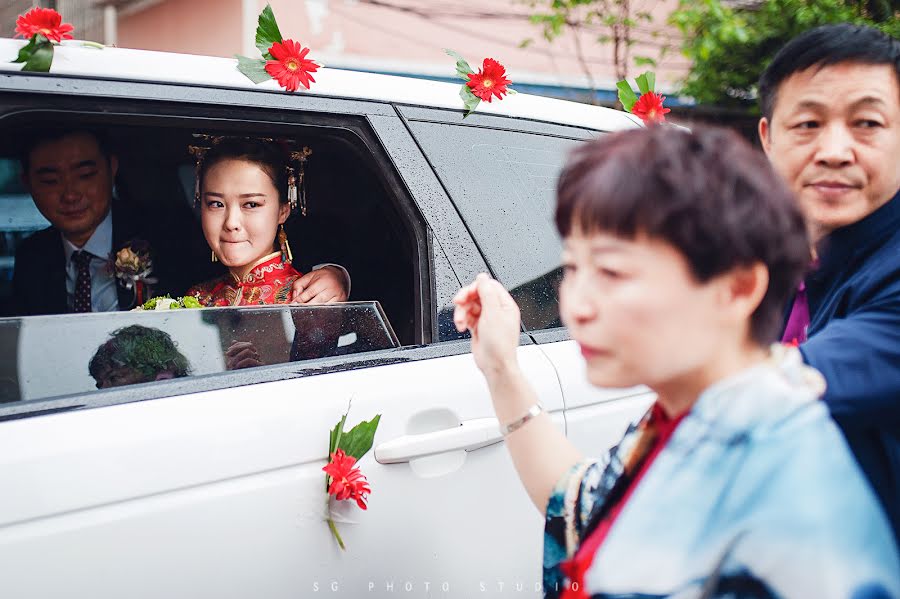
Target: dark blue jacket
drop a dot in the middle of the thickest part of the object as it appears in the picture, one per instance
(854, 341)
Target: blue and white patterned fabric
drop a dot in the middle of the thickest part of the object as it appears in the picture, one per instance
(755, 495)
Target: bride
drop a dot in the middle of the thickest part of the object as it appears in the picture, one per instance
(245, 197)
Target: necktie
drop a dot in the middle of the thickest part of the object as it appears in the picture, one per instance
(82, 299)
(798, 321)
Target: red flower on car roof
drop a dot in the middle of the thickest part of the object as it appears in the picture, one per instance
(291, 67)
(489, 81)
(649, 108)
(43, 21)
(347, 482)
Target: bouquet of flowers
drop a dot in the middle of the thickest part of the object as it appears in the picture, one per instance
(164, 302)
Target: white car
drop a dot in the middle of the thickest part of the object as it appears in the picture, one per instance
(211, 485)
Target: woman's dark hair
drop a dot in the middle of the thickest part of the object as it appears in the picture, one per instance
(706, 192)
(267, 155)
(825, 46)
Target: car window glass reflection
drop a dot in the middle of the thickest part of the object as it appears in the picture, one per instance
(66, 354)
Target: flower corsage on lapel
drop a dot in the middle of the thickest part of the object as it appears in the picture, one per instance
(133, 267)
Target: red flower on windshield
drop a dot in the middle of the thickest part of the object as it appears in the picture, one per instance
(43, 21)
(347, 482)
(489, 81)
(649, 108)
(291, 67)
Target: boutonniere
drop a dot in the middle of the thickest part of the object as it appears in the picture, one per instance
(490, 81)
(133, 267)
(282, 59)
(44, 29)
(649, 105)
(343, 479)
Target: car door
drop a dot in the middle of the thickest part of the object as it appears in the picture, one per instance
(507, 200)
(212, 485)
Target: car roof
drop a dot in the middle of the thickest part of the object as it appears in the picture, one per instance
(72, 58)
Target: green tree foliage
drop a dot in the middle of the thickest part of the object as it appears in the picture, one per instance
(730, 47)
(609, 22)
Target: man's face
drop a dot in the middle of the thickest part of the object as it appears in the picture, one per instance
(71, 183)
(835, 137)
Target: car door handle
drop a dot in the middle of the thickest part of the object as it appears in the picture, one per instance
(469, 435)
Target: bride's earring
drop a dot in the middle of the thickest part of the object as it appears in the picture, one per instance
(214, 257)
(286, 255)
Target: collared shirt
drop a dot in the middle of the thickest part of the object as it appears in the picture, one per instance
(104, 295)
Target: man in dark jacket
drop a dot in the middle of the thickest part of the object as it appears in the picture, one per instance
(830, 102)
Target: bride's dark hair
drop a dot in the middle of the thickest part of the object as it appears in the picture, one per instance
(267, 155)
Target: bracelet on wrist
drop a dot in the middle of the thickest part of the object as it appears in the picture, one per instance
(515, 425)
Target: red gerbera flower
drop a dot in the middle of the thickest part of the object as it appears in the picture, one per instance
(489, 81)
(291, 67)
(649, 108)
(45, 21)
(347, 482)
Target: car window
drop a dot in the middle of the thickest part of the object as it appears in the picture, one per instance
(98, 351)
(504, 183)
(357, 216)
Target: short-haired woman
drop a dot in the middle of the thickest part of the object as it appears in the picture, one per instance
(680, 250)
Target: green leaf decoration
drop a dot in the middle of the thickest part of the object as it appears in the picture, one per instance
(358, 440)
(462, 66)
(626, 95)
(334, 437)
(253, 68)
(41, 59)
(646, 82)
(28, 49)
(470, 100)
(267, 32)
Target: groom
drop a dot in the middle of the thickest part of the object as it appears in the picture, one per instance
(70, 176)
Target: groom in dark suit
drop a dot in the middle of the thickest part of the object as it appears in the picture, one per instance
(70, 176)
(64, 268)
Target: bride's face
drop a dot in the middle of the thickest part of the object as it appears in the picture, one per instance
(240, 213)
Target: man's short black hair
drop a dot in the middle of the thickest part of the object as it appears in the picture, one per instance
(34, 137)
(824, 46)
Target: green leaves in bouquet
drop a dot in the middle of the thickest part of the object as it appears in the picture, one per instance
(462, 66)
(267, 32)
(357, 441)
(37, 55)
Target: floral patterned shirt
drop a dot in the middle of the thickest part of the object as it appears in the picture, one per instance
(756, 495)
(269, 282)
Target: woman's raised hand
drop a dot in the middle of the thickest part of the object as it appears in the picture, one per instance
(486, 309)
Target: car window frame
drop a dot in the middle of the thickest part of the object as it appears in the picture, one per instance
(511, 124)
(408, 177)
